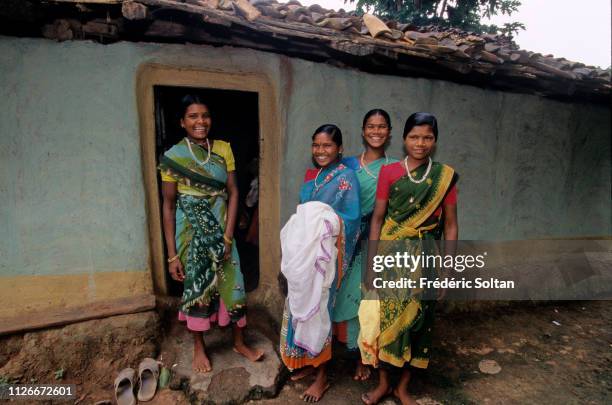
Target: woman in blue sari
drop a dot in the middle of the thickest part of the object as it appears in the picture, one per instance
(376, 133)
(335, 185)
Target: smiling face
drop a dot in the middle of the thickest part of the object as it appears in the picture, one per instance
(376, 131)
(419, 142)
(324, 150)
(196, 122)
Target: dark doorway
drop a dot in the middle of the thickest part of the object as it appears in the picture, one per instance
(235, 119)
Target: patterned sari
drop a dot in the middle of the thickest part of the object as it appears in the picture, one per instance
(349, 294)
(397, 329)
(200, 223)
(338, 187)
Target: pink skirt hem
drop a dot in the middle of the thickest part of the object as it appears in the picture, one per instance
(221, 317)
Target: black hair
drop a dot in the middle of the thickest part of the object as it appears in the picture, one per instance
(376, 111)
(332, 130)
(190, 99)
(421, 118)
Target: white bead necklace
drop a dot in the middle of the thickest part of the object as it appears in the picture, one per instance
(365, 167)
(424, 175)
(193, 155)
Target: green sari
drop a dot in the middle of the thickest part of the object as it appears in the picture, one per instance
(398, 328)
(200, 224)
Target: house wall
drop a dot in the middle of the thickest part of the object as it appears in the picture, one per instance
(529, 167)
(72, 198)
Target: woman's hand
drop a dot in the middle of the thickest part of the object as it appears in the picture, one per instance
(228, 250)
(176, 271)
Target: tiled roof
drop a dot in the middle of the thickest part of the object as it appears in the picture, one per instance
(367, 43)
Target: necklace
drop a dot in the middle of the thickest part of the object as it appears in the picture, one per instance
(365, 167)
(315, 182)
(193, 155)
(424, 175)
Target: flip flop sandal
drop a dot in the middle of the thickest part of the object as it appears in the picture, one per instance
(124, 387)
(148, 373)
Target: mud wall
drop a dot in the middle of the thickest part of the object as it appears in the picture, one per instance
(529, 167)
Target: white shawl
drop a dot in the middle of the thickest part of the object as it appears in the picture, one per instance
(308, 243)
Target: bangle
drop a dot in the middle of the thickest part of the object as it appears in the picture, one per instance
(228, 240)
(173, 258)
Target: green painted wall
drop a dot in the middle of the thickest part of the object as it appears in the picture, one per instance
(529, 167)
(72, 196)
(71, 188)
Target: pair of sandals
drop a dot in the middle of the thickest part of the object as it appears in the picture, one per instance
(148, 373)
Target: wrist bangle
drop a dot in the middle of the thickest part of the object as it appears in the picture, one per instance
(228, 240)
(173, 258)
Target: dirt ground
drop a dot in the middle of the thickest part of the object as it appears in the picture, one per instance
(548, 353)
(541, 362)
(87, 354)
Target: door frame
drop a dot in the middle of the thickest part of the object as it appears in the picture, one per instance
(270, 142)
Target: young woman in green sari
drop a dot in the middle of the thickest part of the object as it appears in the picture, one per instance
(376, 133)
(415, 200)
(200, 200)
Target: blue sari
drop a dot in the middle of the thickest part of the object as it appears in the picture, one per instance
(338, 187)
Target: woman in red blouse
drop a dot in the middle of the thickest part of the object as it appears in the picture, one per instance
(416, 200)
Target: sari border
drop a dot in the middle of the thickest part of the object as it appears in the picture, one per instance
(295, 363)
(401, 323)
(389, 358)
(446, 179)
(333, 173)
(172, 165)
(419, 362)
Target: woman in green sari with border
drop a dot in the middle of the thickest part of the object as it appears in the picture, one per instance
(376, 133)
(200, 200)
(415, 201)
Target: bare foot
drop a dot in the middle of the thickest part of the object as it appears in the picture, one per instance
(404, 397)
(201, 363)
(374, 396)
(248, 352)
(362, 372)
(315, 392)
(301, 373)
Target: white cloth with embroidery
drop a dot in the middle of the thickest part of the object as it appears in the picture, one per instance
(309, 253)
